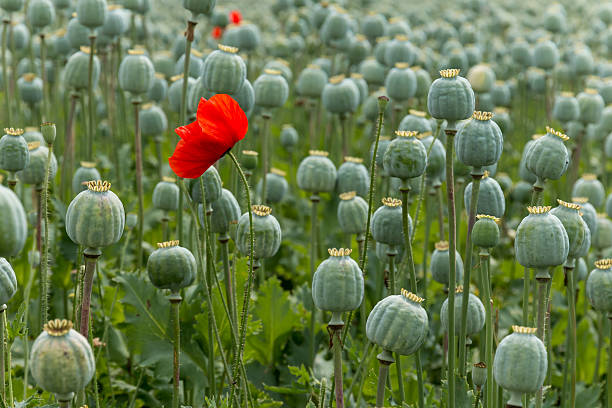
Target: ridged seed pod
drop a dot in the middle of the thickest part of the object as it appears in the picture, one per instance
(352, 175)
(602, 239)
(565, 108)
(588, 186)
(166, 195)
(451, 97)
(13, 224)
(373, 72)
(8, 281)
(212, 187)
(546, 55)
(485, 233)
(34, 172)
(352, 213)
(482, 78)
(136, 73)
(415, 121)
(289, 138)
(475, 313)
(267, 233)
(271, 89)
(226, 211)
(520, 364)
(60, 349)
(387, 224)
(159, 88)
(479, 142)
(406, 156)
(399, 50)
(599, 287)
(224, 71)
(591, 106)
(311, 81)
(317, 173)
(91, 13)
(14, 153)
(589, 214)
(84, 174)
(577, 230)
(547, 157)
(41, 13)
(337, 285)
(340, 95)
(436, 161)
(276, 186)
(439, 264)
(11, 5)
(30, 88)
(153, 120)
(198, 7)
(171, 266)
(401, 82)
(116, 22)
(76, 70)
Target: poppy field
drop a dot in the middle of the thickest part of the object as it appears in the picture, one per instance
(305, 203)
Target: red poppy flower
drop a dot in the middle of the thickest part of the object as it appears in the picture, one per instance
(235, 16)
(220, 124)
(216, 32)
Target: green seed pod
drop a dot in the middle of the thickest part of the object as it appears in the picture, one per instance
(581, 270)
(353, 176)
(77, 34)
(159, 88)
(398, 323)
(383, 251)
(76, 70)
(602, 239)
(41, 13)
(289, 138)
(582, 61)
(415, 121)
(136, 72)
(370, 108)
(482, 78)
(198, 7)
(359, 49)
(116, 22)
(224, 71)
(271, 89)
(247, 36)
(276, 186)
(609, 205)
(589, 214)
(373, 26)
(13, 224)
(520, 364)
(541, 241)
(475, 314)
(577, 230)
(267, 233)
(451, 97)
(226, 211)
(91, 13)
(95, 217)
(212, 187)
(591, 106)
(49, 132)
(219, 18)
(401, 82)
(34, 173)
(249, 160)
(479, 142)
(84, 174)
(166, 195)
(440, 265)
(373, 72)
(335, 26)
(352, 213)
(503, 120)
(8, 281)
(546, 54)
(60, 349)
(399, 50)
(521, 192)
(11, 5)
(281, 65)
(485, 233)
(588, 186)
(547, 157)
(175, 91)
(362, 86)
(387, 223)
(164, 63)
(566, 107)
(32, 134)
(245, 97)
(599, 286)
(153, 121)
(195, 64)
(14, 153)
(524, 173)
(479, 375)
(337, 285)
(171, 266)
(406, 156)
(436, 161)
(500, 94)
(317, 173)
(340, 95)
(423, 82)
(311, 81)
(30, 88)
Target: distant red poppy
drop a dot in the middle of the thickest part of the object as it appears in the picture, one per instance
(235, 16)
(220, 124)
(216, 32)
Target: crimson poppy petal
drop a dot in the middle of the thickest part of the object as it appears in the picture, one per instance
(190, 133)
(235, 16)
(222, 120)
(190, 162)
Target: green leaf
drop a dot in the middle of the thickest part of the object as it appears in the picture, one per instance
(587, 396)
(278, 318)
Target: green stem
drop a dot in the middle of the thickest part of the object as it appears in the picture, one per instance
(391, 254)
(229, 281)
(90, 90)
(488, 302)
(43, 73)
(467, 267)
(336, 335)
(600, 341)
(175, 303)
(264, 156)
(165, 232)
(312, 123)
(571, 300)
(322, 393)
(450, 192)
(44, 262)
(2, 351)
(542, 278)
(313, 260)
(526, 286)
(383, 372)
(68, 155)
(345, 135)
(188, 40)
(91, 259)
(139, 187)
(5, 75)
(609, 380)
(64, 404)
(7, 358)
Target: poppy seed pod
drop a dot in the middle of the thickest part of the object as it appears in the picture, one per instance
(337, 284)
(271, 89)
(340, 95)
(387, 223)
(153, 120)
(602, 239)
(485, 233)
(195, 64)
(541, 241)
(520, 364)
(547, 157)
(34, 172)
(116, 22)
(577, 230)
(565, 108)
(475, 313)
(289, 138)
(317, 173)
(171, 266)
(399, 50)
(166, 195)
(267, 233)
(589, 214)
(8, 281)
(14, 153)
(41, 13)
(436, 161)
(91, 13)
(352, 175)
(401, 82)
(373, 72)
(451, 97)
(175, 91)
(77, 33)
(11, 5)
(249, 160)
(136, 73)
(13, 223)
(84, 174)
(479, 375)
(439, 264)
(335, 26)
(479, 142)
(405, 156)
(59, 348)
(398, 323)
(482, 78)
(359, 49)
(224, 71)
(599, 286)
(226, 210)
(352, 213)
(159, 88)
(212, 187)
(245, 97)
(76, 70)
(198, 7)
(546, 55)
(311, 81)
(588, 186)
(416, 121)
(276, 186)
(30, 88)
(591, 106)
(373, 26)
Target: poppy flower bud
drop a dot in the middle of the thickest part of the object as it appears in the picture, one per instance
(48, 131)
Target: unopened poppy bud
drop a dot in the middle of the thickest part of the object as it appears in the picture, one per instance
(479, 374)
(131, 220)
(383, 101)
(49, 132)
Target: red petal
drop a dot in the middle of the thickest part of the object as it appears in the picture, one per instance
(190, 132)
(217, 32)
(235, 16)
(222, 121)
(189, 161)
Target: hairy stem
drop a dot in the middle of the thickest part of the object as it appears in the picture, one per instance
(452, 238)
